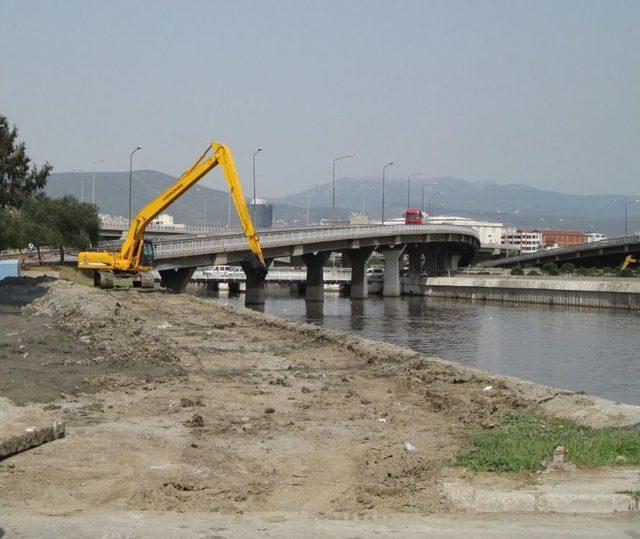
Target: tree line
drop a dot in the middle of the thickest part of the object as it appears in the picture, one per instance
(27, 216)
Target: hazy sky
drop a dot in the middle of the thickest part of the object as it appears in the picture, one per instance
(539, 92)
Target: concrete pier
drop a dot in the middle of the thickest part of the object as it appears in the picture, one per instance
(391, 285)
(358, 261)
(314, 288)
(176, 279)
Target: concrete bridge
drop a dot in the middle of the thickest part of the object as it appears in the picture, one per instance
(605, 253)
(431, 249)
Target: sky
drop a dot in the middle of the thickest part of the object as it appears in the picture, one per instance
(545, 93)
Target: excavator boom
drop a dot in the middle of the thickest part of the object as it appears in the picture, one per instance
(131, 257)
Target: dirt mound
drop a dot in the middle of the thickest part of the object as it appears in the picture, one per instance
(22, 290)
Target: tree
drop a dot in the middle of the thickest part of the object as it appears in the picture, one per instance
(567, 268)
(550, 268)
(517, 271)
(9, 230)
(60, 223)
(19, 179)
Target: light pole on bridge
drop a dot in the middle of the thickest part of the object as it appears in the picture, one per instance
(384, 172)
(131, 176)
(409, 186)
(626, 205)
(253, 206)
(333, 182)
(422, 199)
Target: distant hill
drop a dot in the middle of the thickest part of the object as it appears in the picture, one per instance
(514, 204)
(112, 197)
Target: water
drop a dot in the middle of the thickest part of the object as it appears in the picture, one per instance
(595, 350)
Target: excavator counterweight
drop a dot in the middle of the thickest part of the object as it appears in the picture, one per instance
(136, 254)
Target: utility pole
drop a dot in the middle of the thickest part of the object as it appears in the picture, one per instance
(93, 181)
(384, 170)
(333, 183)
(131, 176)
(253, 206)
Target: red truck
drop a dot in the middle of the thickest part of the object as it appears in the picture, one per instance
(413, 217)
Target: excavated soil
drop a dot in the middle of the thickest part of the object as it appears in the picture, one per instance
(192, 406)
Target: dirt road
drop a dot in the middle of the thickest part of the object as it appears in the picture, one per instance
(173, 403)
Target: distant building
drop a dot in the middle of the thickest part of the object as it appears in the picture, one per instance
(561, 238)
(360, 219)
(263, 213)
(490, 233)
(595, 236)
(522, 239)
(166, 220)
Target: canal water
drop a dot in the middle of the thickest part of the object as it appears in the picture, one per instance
(595, 350)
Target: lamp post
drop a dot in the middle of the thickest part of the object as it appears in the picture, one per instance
(253, 206)
(422, 199)
(333, 182)
(409, 186)
(384, 171)
(93, 181)
(626, 205)
(131, 176)
(429, 203)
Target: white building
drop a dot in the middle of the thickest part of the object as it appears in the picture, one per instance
(166, 221)
(522, 239)
(595, 236)
(490, 233)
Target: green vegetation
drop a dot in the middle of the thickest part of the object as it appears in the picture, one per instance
(633, 493)
(524, 440)
(550, 268)
(567, 268)
(26, 215)
(626, 272)
(533, 272)
(517, 271)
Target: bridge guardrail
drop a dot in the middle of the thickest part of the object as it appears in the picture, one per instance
(624, 240)
(277, 239)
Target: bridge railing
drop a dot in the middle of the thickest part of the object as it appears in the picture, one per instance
(613, 242)
(277, 239)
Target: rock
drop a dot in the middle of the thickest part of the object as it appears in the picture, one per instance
(305, 389)
(195, 421)
(269, 410)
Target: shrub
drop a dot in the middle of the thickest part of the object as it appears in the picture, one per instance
(550, 268)
(626, 272)
(517, 271)
(533, 272)
(567, 268)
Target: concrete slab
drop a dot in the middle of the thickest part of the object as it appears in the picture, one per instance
(597, 492)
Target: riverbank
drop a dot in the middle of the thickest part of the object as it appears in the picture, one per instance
(614, 293)
(187, 406)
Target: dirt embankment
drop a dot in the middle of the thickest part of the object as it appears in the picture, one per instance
(249, 412)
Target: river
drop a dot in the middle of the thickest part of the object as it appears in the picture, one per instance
(594, 350)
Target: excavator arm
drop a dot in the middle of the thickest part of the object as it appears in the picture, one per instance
(131, 253)
(629, 259)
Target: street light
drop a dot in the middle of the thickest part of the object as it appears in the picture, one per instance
(422, 199)
(626, 206)
(384, 171)
(409, 186)
(333, 192)
(93, 181)
(253, 213)
(429, 203)
(131, 176)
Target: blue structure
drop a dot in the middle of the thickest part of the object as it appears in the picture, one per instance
(9, 268)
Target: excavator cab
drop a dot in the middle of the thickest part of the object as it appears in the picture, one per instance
(147, 257)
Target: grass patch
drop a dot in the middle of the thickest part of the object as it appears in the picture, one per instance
(635, 494)
(524, 440)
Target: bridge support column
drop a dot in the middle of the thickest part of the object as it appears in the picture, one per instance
(358, 261)
(432, 260)
(176, 279)
(391, 284)
(254, 288)
(415, 263)
(314, 289)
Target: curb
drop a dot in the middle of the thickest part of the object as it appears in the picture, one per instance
(494, 501)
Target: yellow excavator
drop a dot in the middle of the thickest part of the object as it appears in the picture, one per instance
(135, 257)
(629, 259)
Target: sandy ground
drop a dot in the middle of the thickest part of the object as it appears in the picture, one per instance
(178, 404)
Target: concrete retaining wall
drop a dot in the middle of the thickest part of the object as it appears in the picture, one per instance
(607, 293)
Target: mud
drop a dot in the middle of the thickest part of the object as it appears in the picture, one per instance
(250, 413)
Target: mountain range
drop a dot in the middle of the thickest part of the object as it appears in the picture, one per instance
(512, 204)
